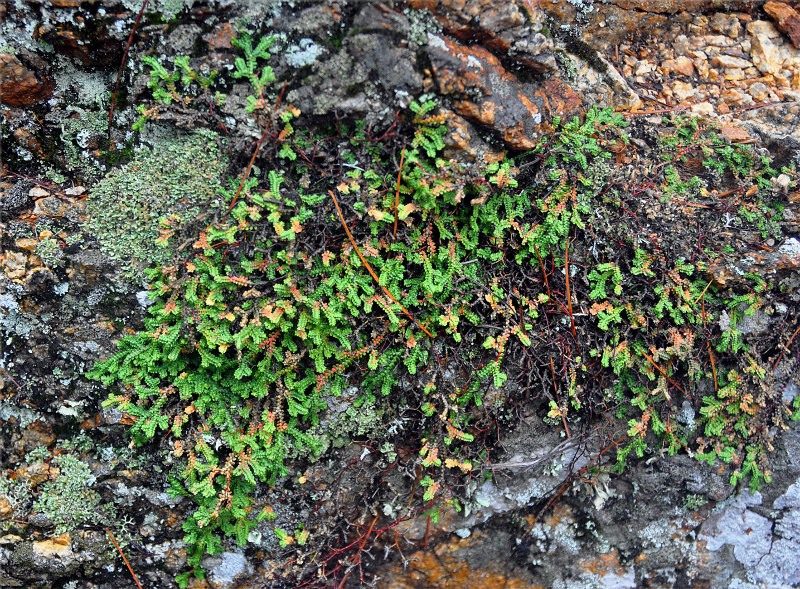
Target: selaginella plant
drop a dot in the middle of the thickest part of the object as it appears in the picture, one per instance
(420, 282)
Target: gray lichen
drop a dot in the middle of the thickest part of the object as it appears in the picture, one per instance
(176, 177)
(69, 500)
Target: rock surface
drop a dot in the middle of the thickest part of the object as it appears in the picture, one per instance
(502, 71)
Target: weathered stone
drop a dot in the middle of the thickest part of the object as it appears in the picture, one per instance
(681, 65)
(13, 197)
(6, 509)
(93, 46)
(493, 22)
(224, 569)
(703, 109)
(734, 97)
(675, 6)
(768, 265)
(26, 244)
(449, 566)
(486, 92)
(729, 61)
(51, 206)
(607, 24)
(734, 133)
(463, 143)
(38, 192)
(370, 74)
(682, 91)
(535, 52)
(13, 264)
(59, 547)
(765, 54)
(759, 92)
(700, 62)
(28, 141)
(39, 472)
(19, 86)
(786, 18)
(727, 24)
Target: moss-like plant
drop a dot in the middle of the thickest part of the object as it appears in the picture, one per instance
(421, 286)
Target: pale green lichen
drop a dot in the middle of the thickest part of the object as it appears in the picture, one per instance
(169, 9)
(17, 492)
(76, 134)
(50, 252)
(69, 501)
(175, 178)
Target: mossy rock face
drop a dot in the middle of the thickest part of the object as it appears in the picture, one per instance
(177, 177)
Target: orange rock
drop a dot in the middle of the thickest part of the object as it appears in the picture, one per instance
(19, 86)
(467, 20)
(460, 140)
(445, 568)
(560, 98)
(13, 264)
(39, 472)
(25, 139)
(26, 244)
(667, 6)
(681, 65)
(734, 133)
(787, 20)
(6, 511)
(482, 113)
(487, 94)
(220, 37)
(604, 564)
(57, 547)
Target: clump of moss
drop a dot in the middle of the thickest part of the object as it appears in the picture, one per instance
(177, 178)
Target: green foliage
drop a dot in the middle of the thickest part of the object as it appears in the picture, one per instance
(247, 67)
(430, 130)
(692, 341)
(299, 284)
(178, 85)
(250, 338)
(163, 83)
(675, 186)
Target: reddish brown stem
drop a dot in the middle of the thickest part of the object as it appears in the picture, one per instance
(544, 272)
(657, 367)
(713, 367)
(364, 539)
(255, 153)
(122, 65)
(569, 297)
(397, 192)
(369, 268)
(786, 347)
(122, 554)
